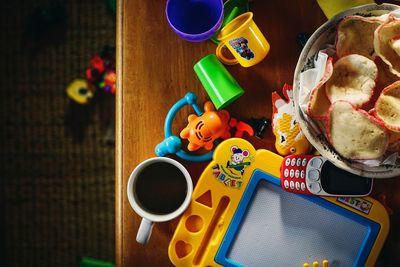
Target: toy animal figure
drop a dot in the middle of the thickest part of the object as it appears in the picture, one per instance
(289, 137)
(203, 130)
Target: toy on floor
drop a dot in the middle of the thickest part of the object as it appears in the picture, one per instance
(101, 73)
(99, 76)
(79, 91)
(100, 81)
(240, 216)
(289, 137)
(204, 129)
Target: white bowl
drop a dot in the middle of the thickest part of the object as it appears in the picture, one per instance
(324, 35)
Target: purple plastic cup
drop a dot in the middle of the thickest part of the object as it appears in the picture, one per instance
(195, 20)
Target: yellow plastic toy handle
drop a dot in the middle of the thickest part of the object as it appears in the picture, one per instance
(225, 60)
(325, 263)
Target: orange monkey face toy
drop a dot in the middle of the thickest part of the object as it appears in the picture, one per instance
(203, 130)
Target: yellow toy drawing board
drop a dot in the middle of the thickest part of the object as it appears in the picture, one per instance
(239, 216)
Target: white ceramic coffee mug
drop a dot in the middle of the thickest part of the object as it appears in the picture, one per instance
(144, 186)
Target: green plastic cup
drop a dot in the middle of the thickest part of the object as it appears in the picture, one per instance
(219, 84)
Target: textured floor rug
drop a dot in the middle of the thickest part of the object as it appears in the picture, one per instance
(56, 168)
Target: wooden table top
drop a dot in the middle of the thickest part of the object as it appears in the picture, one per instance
(155, 69)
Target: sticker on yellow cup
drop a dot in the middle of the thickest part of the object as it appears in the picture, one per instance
(244, 40)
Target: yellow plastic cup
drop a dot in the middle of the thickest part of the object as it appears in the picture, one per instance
(244, 40)
(332, 7)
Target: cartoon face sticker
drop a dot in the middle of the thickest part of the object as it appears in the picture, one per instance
(237, 161)
(242, 48)
(238, 155)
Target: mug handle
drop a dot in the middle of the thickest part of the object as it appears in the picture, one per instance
(226, 61)
(144, 232)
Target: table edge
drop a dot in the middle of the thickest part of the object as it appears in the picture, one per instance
(119, 179)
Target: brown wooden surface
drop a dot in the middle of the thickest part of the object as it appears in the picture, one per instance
(155, 69)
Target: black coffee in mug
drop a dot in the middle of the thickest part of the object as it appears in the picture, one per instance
(161, 188)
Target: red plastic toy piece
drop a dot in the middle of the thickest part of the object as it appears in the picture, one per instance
(241, 128)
